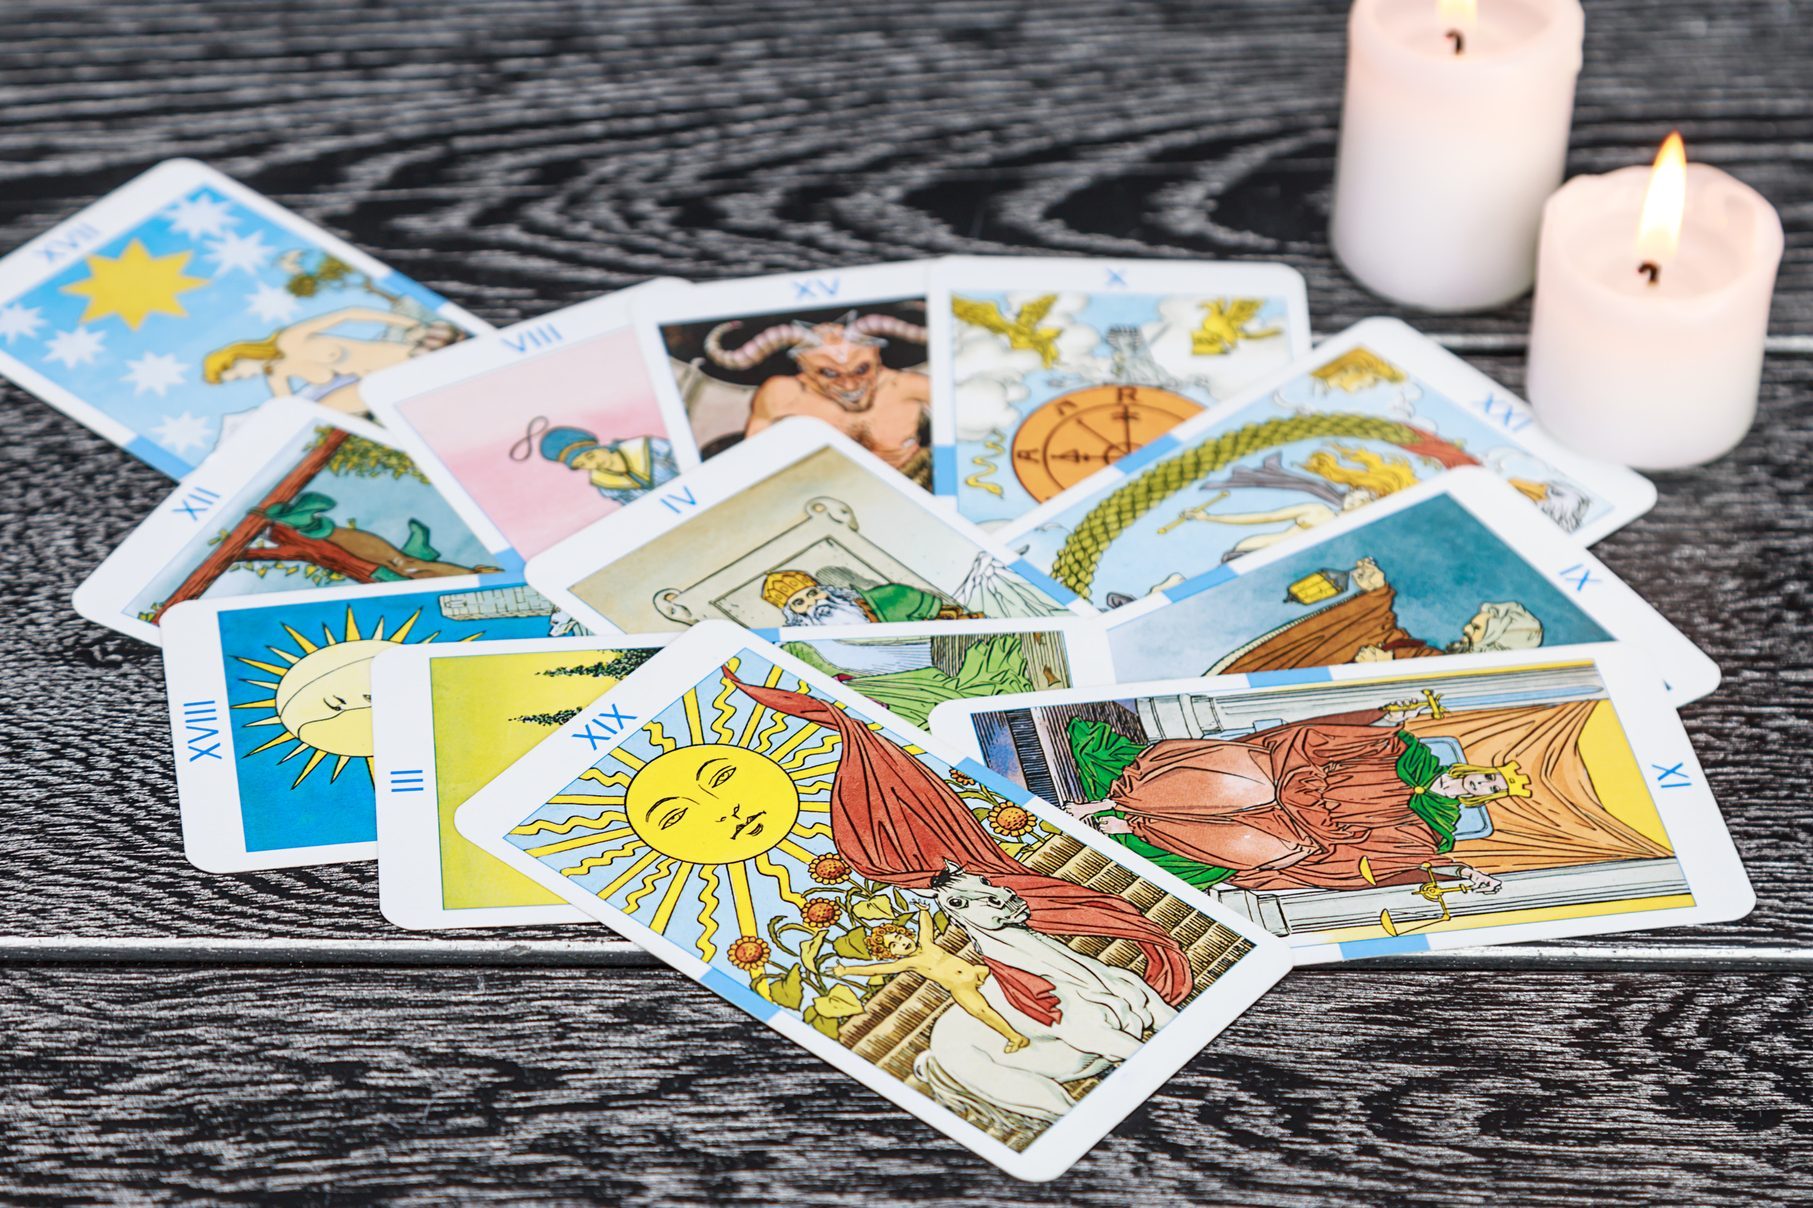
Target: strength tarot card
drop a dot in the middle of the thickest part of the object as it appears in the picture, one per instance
(450, 718)
(537, 430)
(168, 311)
(1003, 973)
(1048, 369)
(1363, 811)
(1454, 565)
(797, 526)
(300, 496)
(1368, 412)
(270, 709)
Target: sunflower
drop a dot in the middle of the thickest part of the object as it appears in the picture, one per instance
(1011, 820)
(748, 952)
(819, 913)
(829, 868)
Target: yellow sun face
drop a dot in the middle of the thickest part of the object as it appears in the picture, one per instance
(322, 694)
(712, 804)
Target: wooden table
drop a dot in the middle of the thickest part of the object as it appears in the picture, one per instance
(169, 1034)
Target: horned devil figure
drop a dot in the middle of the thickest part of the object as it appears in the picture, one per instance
(1104, 1014)
(842, 381)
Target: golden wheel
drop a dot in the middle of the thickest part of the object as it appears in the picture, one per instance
(1069, 438)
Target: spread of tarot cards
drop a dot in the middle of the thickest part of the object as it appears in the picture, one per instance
(992, 674)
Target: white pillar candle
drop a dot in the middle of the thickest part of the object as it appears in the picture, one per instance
(1652, 301)
(1453, 133)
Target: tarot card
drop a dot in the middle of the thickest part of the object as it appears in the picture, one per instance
(1362, 810)
(1048, 369)
(796, 526)
(449, 719)
(1010, 977)
(1449, 566)
(535, 431)
(844, 345)
(300, 496)
(270, 709)
(164, 314)
(1368, 412)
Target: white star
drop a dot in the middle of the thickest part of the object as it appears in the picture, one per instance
(272, 303)
(200, 216)
(247, 252)
(17, 321)
(180, 433)
(78, 347)
(155, 372)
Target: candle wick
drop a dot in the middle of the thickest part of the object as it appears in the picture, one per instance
(1652, 270)
(1459, 39)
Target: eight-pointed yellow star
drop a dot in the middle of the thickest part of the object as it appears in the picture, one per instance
(135, 285)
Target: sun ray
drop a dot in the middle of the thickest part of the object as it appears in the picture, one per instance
(602, 858)
(708, 911)
(377, 634)
(285, 655)
(270, 702)
(634, 898)
(314, 761)
(260, 684)
(352, 627)
(695, 729)
(721, 702)
(818, 829)
(371, 770)
(569, 824)
(468, 638)
(741, 898)
(760, 711)
(798, 758)
(783, 880)
(339, 766)
(664, 913)
(573, 844)
(272, 720)
(584, 799)
(780, 753)
(623, 878)
(633, 762)
(616, 780)
(282, 738)
(403, 629)
(659, 739)
(302, 643)
(273, 669)
(815, 807)
(802, 775)
(796, 851)
(776, 724)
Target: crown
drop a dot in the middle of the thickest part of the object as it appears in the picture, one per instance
(782, 585)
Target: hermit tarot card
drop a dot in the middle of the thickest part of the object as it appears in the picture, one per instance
(165, 313)
(301, 496)
(1364, 811)
(537, 430)
(844, 345)
(1367, 413)
(450, 718)
(798, 526)
(1048, 369)
(270, 709)
(1454, 565)
(1007, 975)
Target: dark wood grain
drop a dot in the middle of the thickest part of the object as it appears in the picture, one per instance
(633, 1087)
(523, 156)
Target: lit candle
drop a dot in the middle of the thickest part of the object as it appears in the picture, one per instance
(1453, 133)
(1652, 301)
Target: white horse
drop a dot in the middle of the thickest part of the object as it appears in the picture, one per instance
(1104, 1014)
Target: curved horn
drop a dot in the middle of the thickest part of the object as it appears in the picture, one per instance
(757, 350)
(888, 325)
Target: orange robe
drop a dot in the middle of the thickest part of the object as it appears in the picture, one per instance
(1294, 807)
(1333, 635)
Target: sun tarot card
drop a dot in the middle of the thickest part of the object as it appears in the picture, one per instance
(449, 719)
(1008, 976)
(537, 430)
(167, 312)
(1363, 811)
(301, 496)
(270, 709)
(1048, 369)
(798, 526)
(844, 345)
(1367, 413)
(1450, 566)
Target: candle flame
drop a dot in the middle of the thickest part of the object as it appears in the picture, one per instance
(1457, 14)
(1664, 203)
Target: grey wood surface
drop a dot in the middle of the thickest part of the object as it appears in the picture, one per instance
(168, 1034)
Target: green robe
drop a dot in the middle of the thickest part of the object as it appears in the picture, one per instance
(994, 666)
(898, 602)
